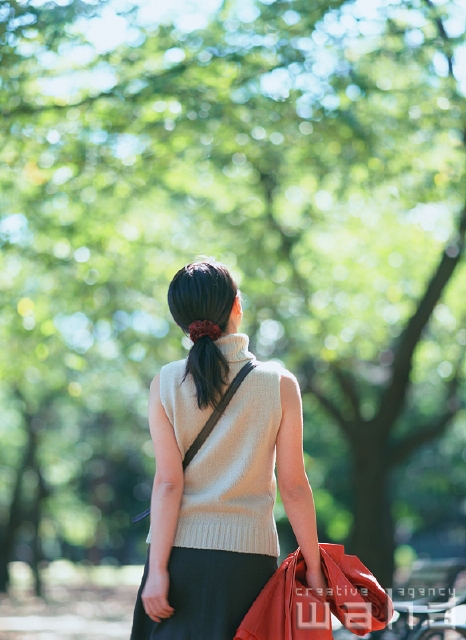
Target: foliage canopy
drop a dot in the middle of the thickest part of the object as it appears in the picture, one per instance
(316, 150)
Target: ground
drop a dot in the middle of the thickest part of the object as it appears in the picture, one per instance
(89, 603)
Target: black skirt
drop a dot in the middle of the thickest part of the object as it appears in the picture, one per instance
(211, 591)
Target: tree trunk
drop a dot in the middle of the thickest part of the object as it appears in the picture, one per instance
(14, 520)
(36, 545)
(372, 535)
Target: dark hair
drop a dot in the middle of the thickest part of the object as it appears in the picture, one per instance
(204, 291)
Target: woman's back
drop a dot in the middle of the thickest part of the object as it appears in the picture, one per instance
(229, 487)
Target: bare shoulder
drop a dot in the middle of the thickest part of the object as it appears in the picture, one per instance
(154, 389)
(155, 382)
(289, 385)
(276, 367)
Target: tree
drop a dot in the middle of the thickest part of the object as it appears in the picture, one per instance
(282, 141)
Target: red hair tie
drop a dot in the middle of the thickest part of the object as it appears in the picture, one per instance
(200, 328)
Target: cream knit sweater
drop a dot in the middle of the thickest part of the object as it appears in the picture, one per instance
(230, 486)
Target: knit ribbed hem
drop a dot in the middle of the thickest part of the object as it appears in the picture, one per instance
(227, 536)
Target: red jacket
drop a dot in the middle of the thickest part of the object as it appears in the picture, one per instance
(287, 610)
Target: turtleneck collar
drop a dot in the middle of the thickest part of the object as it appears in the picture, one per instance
(234, 346)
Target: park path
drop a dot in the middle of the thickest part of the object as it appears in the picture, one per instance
(95, 605)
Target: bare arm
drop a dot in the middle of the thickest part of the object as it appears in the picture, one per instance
(293, 483)
(167, 492)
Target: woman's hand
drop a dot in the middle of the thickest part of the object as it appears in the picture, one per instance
(316, 581)
(155, 596)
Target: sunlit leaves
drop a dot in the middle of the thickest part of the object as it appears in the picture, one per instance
(317, 150)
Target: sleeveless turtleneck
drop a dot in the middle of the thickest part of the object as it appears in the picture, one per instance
(230, 486)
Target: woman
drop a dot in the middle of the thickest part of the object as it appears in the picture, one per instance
(213, 538)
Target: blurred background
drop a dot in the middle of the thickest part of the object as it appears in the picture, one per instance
(318, 150)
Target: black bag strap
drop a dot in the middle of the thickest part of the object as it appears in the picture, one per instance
(211, 422)
(217, 412)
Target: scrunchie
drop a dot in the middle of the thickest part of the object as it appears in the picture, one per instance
(200, 328)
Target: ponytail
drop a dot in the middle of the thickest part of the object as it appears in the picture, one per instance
(200, 298)
(209, 369)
